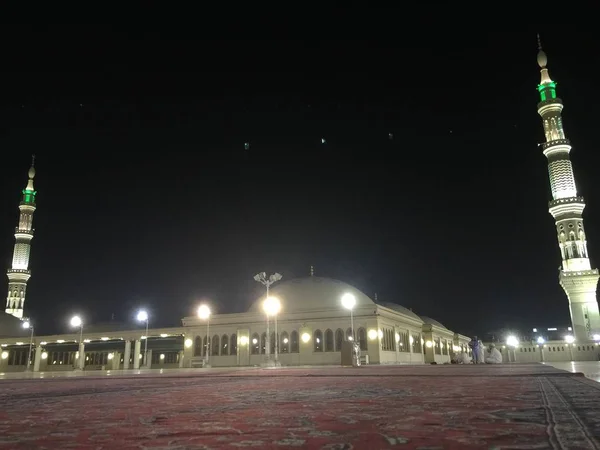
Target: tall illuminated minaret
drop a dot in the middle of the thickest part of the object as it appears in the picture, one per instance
(577, 277)
(19, 274)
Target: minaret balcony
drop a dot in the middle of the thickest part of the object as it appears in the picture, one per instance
(551, 101)
(547, 145)
(19, 231)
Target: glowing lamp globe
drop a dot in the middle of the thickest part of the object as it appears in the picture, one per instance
(271, 306)
(348, 301)
(569, 339)
(26, 324)
(512, 341)
(142, 316)
(76, 321)
(204, 312)
(540, 340)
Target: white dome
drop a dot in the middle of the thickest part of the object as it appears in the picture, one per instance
(430, 321)
(312, 293)
(542, 59)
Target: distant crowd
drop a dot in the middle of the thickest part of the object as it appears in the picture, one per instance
(481, 354)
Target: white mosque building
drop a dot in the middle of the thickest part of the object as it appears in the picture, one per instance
(312, 326)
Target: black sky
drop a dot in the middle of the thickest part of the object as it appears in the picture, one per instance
(147, 197)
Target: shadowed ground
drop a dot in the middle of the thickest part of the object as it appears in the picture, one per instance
(407, 407)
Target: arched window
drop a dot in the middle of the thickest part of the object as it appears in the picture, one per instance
(318, 341)
(294, 347)
(339, 338)
(263, 343)
(362, 338)
(215, 346)
(224, 345)
(233, 344)
(284, 345)
(255, 343)
(329, 341)
(198, 346)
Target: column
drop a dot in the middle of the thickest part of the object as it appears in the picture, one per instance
(127, 355)
(116, 361)
(37, 358)
(81, 360)
(181, 356)
(148, 364)
(136, 354)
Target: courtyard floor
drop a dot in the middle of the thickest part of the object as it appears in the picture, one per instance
(374, 407)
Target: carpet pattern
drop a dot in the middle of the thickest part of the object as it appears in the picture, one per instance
(424, 407)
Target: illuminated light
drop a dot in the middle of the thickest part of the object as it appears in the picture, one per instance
(139, 356)
(4, 345)
(512, 341)
(305, 337)
(569, 329)
(20, 343)
(397, 338)
(535, 330)
(4, 355)
(60, 341)
(569, 339)
(26, 324)
(411, 339)
(143, 337)
(323, 141)
(162, 356)
(540, 340)
(142, 316)
(111, 356)
(76, 321)
(43, 343)
(348, 301)
(203, 312)
(243, 340)
(44, 355)
(372, 334)
(188, 343)
(428, 344)
(255, 341)
(271, 306)
(285, 340)
(163, 335)
(380, 334)
(86, 341)
(76, 355)
(596, 337)
(104, 338)
(552, 329)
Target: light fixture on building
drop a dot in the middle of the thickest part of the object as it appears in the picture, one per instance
(162, 356)
(569, 339)
(243, 340)
(540, 340)
(372, 334)
(596, 337)
(111, 356)
(305, 337)
(428, 344)
(4, 355)
(188, 343)
(44, 355)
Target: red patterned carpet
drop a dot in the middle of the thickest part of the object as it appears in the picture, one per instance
(424, 407)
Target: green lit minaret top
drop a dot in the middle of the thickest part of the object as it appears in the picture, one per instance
(29, 192)
(547, 87)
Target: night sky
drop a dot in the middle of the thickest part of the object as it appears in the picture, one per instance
(148, 198)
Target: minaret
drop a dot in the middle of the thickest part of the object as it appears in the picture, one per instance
(577, 277)
(19, 274)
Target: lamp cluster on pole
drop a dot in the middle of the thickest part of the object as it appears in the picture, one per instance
(28, 325)
(142, 316)
(204, 314)
(267, 282)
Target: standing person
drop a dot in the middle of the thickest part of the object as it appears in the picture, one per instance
(474, 344)
(481, 356)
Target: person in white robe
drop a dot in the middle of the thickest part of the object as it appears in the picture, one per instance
(493, 356)
(464, 358)
(481, 353)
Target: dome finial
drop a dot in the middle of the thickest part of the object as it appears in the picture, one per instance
(539, 42)
(312, 271)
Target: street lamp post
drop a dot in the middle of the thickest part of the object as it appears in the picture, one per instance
(27, 325)
(267, 282)
(271, 306)
(77, 322)
(143, 316)
(204, 314)
(349, 302)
